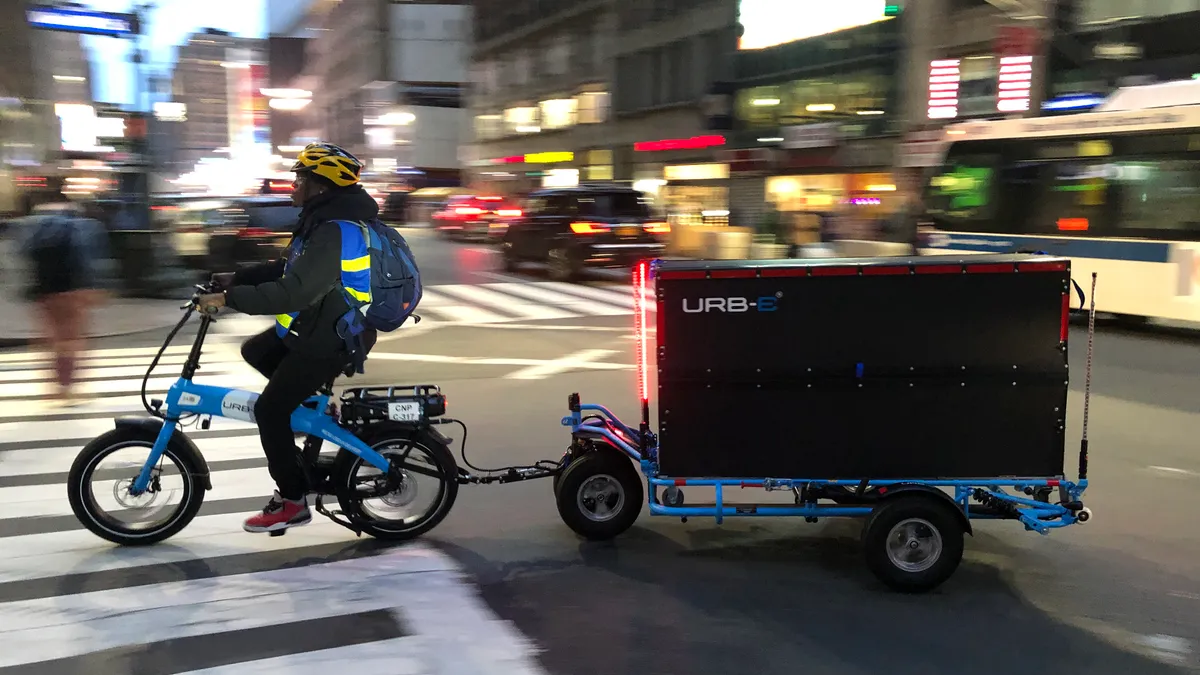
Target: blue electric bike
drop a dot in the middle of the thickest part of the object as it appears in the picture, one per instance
(386, 439)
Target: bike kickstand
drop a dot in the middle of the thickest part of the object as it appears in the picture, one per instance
(333, 515)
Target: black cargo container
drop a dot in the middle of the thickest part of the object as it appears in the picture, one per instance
(896, 368)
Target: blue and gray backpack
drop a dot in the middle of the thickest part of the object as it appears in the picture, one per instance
(380, 281)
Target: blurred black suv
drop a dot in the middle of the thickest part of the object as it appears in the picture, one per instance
(218, 234)
(590, 226)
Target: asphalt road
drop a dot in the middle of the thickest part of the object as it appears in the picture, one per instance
(1118, 595)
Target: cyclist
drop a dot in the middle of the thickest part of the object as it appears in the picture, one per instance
(303, 350)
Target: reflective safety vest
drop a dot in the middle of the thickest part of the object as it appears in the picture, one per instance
(356, 270)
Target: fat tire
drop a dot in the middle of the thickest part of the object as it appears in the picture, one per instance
(592, 464)
(380, 434)
(84, 465)
(508, 257)
(570, 273)
(896, 510)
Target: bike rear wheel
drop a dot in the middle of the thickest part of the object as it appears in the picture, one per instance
(104, 510)
(398, 514)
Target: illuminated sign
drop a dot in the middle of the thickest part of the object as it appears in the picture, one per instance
(1073, 102)
(82, 128)
(87, 21)
(560, 178)
(696, 172)
(944, 78)
(549, 157)
(1016, 78)
(170, 111)
(768, 23)
(693, 143)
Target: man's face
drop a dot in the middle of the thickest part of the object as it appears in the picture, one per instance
(302, 189)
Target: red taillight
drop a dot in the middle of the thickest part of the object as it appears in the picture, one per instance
(468, 211)
(509, 213)
(254, 233)
(657, 228)
(640, 329)
(587, 228)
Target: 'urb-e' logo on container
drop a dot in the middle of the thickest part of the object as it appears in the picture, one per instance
(766, 303)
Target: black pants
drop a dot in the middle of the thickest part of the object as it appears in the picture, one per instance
(292, 378)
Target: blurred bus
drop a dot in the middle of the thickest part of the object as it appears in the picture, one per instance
(1116, 189)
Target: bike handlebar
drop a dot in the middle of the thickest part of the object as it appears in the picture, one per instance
(201, 289)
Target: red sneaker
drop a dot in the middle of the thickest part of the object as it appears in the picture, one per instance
(279, 514)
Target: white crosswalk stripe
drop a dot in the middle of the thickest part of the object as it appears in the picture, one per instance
(214, 600)
(493, 303)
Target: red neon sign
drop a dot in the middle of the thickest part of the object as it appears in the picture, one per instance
(693, 143)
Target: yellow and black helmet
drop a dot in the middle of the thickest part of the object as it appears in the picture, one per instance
(329, 162)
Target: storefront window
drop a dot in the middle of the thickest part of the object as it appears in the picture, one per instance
(592, 107)
(558, 113)
(846, 206)
(488, 127)
(801, 101)
(686, 205)
(599, 172)
(522, 121)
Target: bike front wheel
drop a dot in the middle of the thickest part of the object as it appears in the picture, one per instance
(98, 488)
(421, 501)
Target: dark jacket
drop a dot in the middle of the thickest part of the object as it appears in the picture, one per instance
(312, 286)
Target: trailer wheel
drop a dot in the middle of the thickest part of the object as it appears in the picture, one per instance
(600, 495)
(913, 544)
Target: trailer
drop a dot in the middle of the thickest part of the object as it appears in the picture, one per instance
(921, 394)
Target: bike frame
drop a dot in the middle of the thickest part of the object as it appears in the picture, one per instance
(187, 397)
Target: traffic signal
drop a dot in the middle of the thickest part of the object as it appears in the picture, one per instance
(891, 9)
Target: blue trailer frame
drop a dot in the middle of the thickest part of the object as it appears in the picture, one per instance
(1036, 515)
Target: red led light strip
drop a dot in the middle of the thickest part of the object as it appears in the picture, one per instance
(864, 270)
(1065, 327)
(639, 312)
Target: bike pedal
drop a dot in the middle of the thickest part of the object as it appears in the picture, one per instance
(278, 533)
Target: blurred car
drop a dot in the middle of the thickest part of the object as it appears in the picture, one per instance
(475, 218)
(573, 229)
(394, 208)
(219, 234)
(275, 186)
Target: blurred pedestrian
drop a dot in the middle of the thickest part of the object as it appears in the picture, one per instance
(904, 226)
(67, 255)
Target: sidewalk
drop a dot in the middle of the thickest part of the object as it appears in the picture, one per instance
(20, 323)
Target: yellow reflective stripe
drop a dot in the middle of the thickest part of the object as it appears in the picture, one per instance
(359, 295)
(284, 320)
(357, 264)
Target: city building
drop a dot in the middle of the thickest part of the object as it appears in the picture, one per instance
(218, 80)
(817, 113)
(608, 90)
(387, 81)
(1103, 45)
(540, 99)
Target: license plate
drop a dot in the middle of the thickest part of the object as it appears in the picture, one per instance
(404, 411)
(627, 231)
